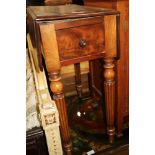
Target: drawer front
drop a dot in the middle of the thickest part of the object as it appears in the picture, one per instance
(80, 41)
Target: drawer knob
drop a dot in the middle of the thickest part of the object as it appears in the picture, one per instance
(82, 43)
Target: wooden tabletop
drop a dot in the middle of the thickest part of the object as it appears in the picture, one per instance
(66, 11)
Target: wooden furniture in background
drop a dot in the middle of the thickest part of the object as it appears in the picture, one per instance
(36, 142)
(122, 65)
(71, 34)
(57, 2)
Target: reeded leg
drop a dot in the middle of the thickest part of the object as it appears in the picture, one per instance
(57, 88)
(52, 61)
(109, 91)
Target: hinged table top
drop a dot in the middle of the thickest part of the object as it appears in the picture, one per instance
(66, 11)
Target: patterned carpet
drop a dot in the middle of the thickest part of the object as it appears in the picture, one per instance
(83, 143)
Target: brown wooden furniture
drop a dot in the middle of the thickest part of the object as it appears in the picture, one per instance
(122, 65)
(71, 34)
(36, 142)
(57, 2)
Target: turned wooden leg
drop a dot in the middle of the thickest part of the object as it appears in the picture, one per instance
(78, 79)
(52, 61)
(57, 88)
(109, 91)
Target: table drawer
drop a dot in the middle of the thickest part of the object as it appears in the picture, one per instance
(79, 41)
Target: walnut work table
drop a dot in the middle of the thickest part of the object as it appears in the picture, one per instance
(70, 34)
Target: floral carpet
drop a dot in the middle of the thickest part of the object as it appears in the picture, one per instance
(84, 143)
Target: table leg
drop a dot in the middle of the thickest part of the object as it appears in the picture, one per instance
(57, 88)
(78, 79)
(109, 91)
(91, 78)
(52, 61)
